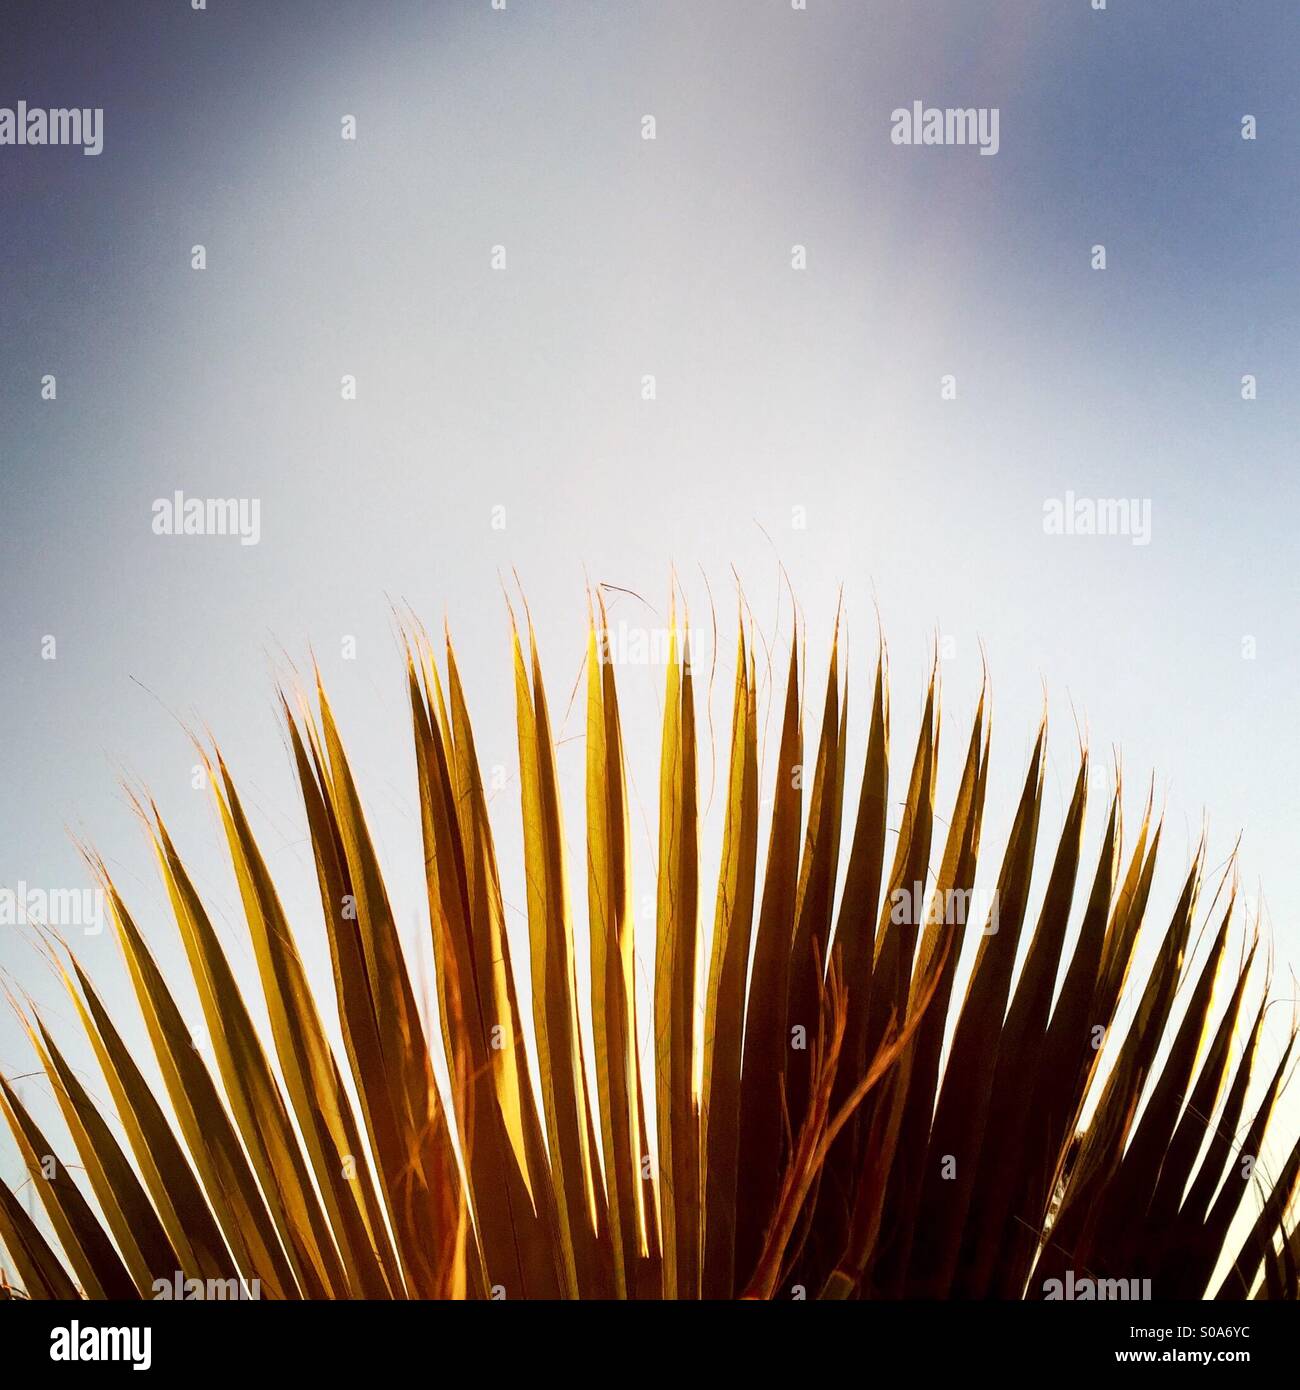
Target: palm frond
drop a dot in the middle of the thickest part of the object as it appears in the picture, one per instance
(808, 1131)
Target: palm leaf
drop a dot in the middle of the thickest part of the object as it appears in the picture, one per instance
(811, 1133)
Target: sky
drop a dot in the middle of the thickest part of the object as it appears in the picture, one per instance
(875, 368)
